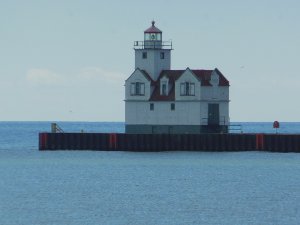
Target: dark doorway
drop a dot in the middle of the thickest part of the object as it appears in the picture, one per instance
(213, 114)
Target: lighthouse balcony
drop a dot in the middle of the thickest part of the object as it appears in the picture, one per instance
(153, 45)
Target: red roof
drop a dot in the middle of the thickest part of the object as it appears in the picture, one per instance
(156, 96)
(153, 29)
(172, 75)
(203, 75)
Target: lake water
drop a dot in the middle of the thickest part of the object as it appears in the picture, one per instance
(86, 187)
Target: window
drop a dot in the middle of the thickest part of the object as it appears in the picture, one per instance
(187, 89)
(164, 89)
(172, 106)
(162, 55)
(151, 106)
(164, 86)
(137, 88)
(152, 36)
(144, 55)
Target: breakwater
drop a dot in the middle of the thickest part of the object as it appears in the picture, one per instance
(169, 142)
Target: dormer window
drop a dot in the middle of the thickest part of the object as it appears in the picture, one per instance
(164, 86)
(164, 89)
(187, 89)
(137, 88)
(214, 79)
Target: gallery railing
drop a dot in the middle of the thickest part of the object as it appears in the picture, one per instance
(153, 45)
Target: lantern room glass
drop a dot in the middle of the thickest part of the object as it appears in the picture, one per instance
(152, 36)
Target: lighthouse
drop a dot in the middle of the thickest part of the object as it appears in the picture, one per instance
(160, 100)
(153, 55)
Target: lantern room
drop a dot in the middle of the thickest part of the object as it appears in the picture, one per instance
(153, 37)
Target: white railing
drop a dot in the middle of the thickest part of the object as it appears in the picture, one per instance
(153, 44)
(222, 121)
(56, 129)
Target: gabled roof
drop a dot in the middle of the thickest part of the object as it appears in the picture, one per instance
(203, 76)
(223, 81)
(147, 76)
(144, 72)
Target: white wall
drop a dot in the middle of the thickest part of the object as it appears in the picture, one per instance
(223, 111)
(187, 76)
(185, 113)
(137, 76)
(153, 64)
(215, 93)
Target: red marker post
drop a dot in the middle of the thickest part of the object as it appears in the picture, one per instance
(276, 125)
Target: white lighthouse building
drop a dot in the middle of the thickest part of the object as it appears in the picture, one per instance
(161, 100)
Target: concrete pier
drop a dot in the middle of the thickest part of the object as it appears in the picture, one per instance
(169, 142)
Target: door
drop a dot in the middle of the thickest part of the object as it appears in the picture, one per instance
(213, 114)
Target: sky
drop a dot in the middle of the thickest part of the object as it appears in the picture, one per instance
(67, 60)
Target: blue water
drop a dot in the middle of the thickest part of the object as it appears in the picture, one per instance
(86, 187)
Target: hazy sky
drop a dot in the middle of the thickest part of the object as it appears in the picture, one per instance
(68, 60)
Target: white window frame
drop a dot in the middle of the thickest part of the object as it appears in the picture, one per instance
(137, 89)
(164, 88)
(187, 89)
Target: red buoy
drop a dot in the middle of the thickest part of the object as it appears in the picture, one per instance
(276, 124)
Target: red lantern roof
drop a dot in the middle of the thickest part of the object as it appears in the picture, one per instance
(153, 29)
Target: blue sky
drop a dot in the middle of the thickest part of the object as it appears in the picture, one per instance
(68, 60)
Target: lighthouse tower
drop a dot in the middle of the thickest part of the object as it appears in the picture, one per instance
(153, 55)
